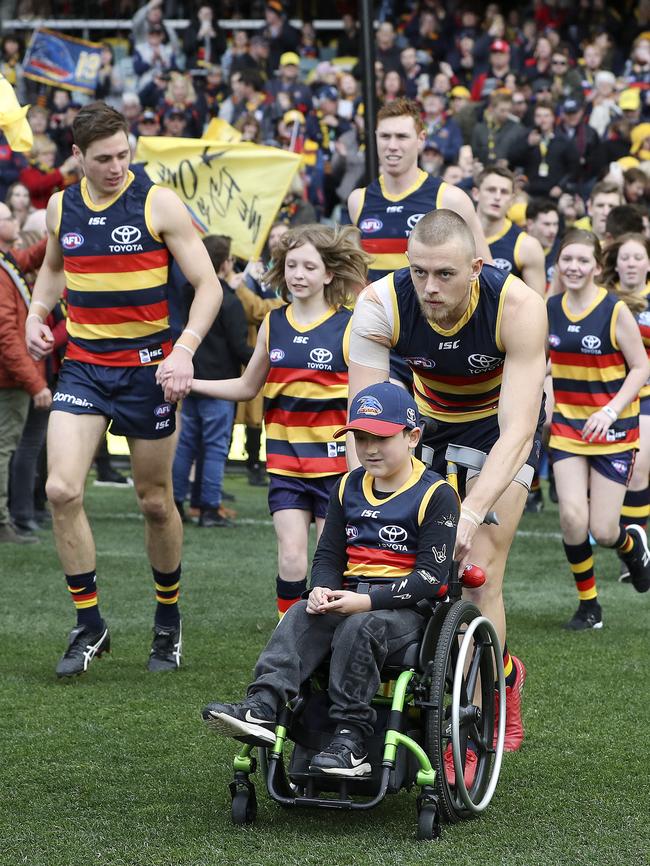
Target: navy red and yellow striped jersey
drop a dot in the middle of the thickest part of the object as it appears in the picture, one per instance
(386, 221)
(306, 392)
(116, 271)
(457, 371)
(588, 369)
(643, 321)
(505, 248)
(382, 532)
(550, 257)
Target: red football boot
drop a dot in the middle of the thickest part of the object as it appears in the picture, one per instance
(514, 735)
(471, 764)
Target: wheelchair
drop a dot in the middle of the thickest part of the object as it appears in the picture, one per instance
(435, 695)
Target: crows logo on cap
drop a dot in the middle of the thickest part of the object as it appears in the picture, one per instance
(369, 406)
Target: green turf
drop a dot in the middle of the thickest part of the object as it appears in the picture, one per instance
(116, 768)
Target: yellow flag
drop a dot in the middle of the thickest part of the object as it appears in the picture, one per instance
(220, 130)
(229, 189)
(12, 119)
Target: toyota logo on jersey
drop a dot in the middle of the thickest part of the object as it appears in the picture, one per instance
(393, 534)
(483, 362)
(126, 235)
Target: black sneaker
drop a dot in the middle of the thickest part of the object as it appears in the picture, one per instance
(638, 561)
(83, 646)
(534, 502)
(112, 478)
(181, 511)
(586, 617)
(210, 517)
(250, 721)
(257, 477)
(344, 756)
(166, 648)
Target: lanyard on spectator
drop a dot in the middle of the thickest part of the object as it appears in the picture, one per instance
(8, 264)
(543, 151)
(491, 141)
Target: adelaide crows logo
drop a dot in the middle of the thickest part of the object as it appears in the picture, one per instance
(369, 406)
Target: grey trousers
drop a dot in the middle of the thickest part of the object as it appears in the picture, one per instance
(358, 646)
(14, 405)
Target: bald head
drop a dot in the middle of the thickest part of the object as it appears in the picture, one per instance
(443, 226)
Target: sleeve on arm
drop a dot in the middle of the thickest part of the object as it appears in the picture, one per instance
(434, 559)
(371, 332)
(330, 558)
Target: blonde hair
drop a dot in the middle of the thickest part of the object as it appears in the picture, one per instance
(342, 256)
(42, 144)
(190, 92)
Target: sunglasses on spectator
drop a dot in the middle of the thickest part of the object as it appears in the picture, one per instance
(559, 62)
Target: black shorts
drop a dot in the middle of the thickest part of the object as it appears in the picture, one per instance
(616, 467)
(473, 434)
(303, 494)
(128, 396)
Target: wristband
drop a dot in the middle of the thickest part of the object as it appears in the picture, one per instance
(34, 316)
(468, 515)
(183, 346)
(613, 414)
(41, 304)
(193, 333)
(472, 514)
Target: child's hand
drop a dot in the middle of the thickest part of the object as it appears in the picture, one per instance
(317, 601)
(346, 603)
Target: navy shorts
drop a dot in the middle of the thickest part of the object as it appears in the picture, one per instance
(304, 494)
(615, 467)
(128, 396)
(644, 403)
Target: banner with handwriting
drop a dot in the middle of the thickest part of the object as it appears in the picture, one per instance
(229, 188)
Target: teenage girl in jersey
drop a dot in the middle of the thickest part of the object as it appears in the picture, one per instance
(598, 366)
(625, 273)
(301, 359)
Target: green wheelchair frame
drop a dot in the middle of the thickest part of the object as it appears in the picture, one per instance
(447, 683)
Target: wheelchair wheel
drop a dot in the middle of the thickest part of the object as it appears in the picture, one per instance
(461, 706)
(244, 805)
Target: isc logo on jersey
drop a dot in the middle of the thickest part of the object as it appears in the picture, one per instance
(502, 264)
(125, 240)
(370, 225)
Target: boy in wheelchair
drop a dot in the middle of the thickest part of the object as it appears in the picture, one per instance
(387, 546)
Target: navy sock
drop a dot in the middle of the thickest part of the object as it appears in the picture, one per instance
(288, 593)
(167, 592)
(83, 591)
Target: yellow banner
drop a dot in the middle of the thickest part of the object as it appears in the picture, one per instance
(226, 186)
(220, 130)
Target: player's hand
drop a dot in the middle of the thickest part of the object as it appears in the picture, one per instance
(464, 540)
(317, 601)
(596, 426)
(346, 603)
(175, 375)
(42, 400)
(38, 338)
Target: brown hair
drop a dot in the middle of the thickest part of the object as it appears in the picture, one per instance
(605, 187)
(340, 251)
(610, 277)
(499, 170)
(95, 121)
(218, 247)
(402, 107)
(582, 236)
(441, 226)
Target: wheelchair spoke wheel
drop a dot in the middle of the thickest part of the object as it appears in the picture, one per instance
(471, 703)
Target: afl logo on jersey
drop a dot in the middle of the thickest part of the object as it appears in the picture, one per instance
(276, 355)
(502, 264)
(414, 219)
(72, 240)
(424, 363)
(351, 532)
(553, 340)
(370, 225)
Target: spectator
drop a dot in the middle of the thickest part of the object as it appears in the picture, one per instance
(203, 41)
(257, 57)
(61, 131)
(149, 17)
(495, 75)
(309, 47)
(148, 124)
(539, 65)
(567, 81)
(214, 91)
(391, 86)
(132, 107)
(604, 107)
(246, 96)
(494, 137)
(349, 164)
(549, 161)
(592, 62)
(207, 422)
(174, 122)
(348, 43)
(635, 186)
(281, 36)
(604, 196)
(11, 164)
(250, 128)
(110, 80)
(543, 223)
(236, 57)
(19, 202)
(442, 131)
(288, 82)
(462, 61)
(38, 119)
(387, 51)
(152, 57)
(20, 376)
(11, 54)
(414, 74)
(573, 125)
(41, 177)
(180, 94)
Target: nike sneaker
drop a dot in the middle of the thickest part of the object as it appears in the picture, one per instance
(250, 721)
(345, 756)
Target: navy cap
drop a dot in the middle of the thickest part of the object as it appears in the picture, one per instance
(329, 92)
(571, 105)
(383, 410)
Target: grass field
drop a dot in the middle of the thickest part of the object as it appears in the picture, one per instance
(116, 767)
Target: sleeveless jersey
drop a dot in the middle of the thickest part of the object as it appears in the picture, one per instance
(505, 248)
(588, 369)
(386, 221)
(456, 372)
(643, 321)
(116, 271)
(305, 395)
(382, 532)
(550, 257)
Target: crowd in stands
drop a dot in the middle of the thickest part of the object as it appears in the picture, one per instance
(559, 95)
